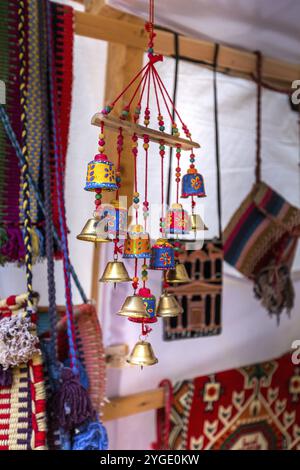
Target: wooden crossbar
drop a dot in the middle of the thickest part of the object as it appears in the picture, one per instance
(120, 407)
(238, 61)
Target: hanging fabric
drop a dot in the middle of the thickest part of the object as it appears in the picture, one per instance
(261, 238)
(21, 72)
(201, 299)
(255, 407)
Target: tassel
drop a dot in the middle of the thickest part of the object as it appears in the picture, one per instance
(6, 377)
(274, 288)
(71, 403)
(91, 436)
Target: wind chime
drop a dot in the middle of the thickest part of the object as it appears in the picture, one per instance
(110, 224)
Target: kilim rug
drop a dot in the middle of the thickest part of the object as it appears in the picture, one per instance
(252, 408)
(201, 299)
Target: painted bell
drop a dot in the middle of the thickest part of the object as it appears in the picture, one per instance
(101, 174)
(192, 184)
(137, 243)
(91, 232)
(168, 306)
(142, 355)
(115, 271)
(177, 220)
(197, 223)
(115, 218)
(162, 255)
(133, 307)
(150, 306)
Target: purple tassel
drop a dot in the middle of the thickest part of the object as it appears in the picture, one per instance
(13, 249)
(6, 377)
(71, 403)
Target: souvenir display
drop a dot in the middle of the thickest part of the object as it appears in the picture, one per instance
(140, 307)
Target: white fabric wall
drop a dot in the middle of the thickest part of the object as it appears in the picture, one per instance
(248, 333)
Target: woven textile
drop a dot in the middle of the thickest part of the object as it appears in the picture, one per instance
(201, 299)
(34, 63)
(251, 408)
(23, 405)
(264, 224)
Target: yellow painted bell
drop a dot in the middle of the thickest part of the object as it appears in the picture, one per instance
(115, 271)
(168, 306)
(133, 307)
(142, 355)
(89, 233)
(197, 223)
(178, 275)
(137, 243)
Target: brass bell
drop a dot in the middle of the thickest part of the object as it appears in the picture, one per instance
(89, 232)
(115, 271)
(197, 223)
(133, 307)
(178, 275)
(168, 306)
(142, 355)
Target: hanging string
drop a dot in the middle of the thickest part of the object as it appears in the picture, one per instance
(258, 116)
(176, 47)
(25, 164)
(61, 203)
(217, 143)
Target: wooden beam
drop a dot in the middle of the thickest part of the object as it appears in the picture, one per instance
(123, 60)
(238, 61)
(120, 407)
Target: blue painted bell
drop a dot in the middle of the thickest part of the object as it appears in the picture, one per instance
(162, 255)
(192, 184)
(177, 220)
(150, 305)
(101, 174)
(137, 243)
(115, 218)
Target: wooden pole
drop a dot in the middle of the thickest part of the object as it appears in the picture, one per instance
(239, 62)
(123, 61)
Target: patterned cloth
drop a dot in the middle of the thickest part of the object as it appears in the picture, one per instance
(11, 217)
(251, 408)
(260, 241)
(23, 405)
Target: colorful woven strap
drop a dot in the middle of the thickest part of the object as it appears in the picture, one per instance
(34, 105)
(24, 169)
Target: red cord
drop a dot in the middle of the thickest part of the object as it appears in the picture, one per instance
(129, 84)
(144, 77)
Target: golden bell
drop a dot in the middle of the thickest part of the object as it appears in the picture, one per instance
(115, 271)
(133, 307)
(178, 275)
(197, 223)
(142, 355)
(89, 232)
(168, 306)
